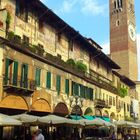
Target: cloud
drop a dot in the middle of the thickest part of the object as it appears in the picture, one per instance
(106, 47)
(67, 6)
(86, 7)
(138, 52)
(92, 7)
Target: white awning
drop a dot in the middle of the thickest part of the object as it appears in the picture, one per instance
(6, 120)
(26, 118)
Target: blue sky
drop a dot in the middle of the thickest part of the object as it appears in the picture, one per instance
(90, 18)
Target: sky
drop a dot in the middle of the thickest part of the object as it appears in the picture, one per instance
(91, 19)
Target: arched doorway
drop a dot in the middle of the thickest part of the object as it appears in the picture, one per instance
(112, 116)
(106, 114)
(61, 109)
(13, 104)
(98, 112)
(40, 107)
(77, 110)
(88, 112)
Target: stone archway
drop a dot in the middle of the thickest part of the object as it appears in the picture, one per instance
(61, 109)
(41, 105)
(112, 116)
(14, 102)
(106, 114)
(77, 110)
(88, 112)
(98, 112)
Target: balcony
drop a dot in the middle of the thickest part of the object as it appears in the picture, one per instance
(16, 85)
(99, 103)
(95, 78)
(118, 108)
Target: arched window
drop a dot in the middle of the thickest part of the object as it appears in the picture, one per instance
(115, 4)
(119, 3)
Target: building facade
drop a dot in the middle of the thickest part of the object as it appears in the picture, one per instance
(123, 46)
(45, 64)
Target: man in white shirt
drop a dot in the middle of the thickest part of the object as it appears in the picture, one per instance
(39, 135)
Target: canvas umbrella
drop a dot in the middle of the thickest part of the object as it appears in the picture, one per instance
(26, 118)
(52, 119)
(6, 120)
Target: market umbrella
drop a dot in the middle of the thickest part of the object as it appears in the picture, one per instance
(97, 122)
(126, 123)
(26, 118)
(52, 119)
(6, 120)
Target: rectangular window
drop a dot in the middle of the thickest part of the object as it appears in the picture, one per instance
(75, 89)
(113, 101)
(22, 10)
(48, 80)
(82, 91)
(25, 39)
(71, 45)
(67, 86)
(11, 72)
(128, 107)
(24, 76)
(37, 76)
(110, 100)
(58, 83)
(91, 94)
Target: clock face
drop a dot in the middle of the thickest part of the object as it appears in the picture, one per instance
(132, 32)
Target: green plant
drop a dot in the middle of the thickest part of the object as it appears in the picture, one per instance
(10, 35)
(32, 48)
(8, 21)
(40, 50)
(80, 66)
(123, 92)
(17, 39)
(71, 62)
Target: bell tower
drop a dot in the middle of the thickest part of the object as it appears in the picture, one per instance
(123, 46)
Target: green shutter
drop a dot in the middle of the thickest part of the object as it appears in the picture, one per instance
(82, 91)
(76, 89)
(26, 76)
(48, 80)
(17, 7)
(58, 83)
(91, 93)
(6, 71)
(37, 76)
(15, 73)
(67, 86)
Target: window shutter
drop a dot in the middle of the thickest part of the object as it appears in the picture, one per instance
(48, 80)
(67, 86)
(6, 71)
(37, 76)
(82, 91)
(15, 73)
(26, 76)
(76, 89)
(58, 83)
(17, 7)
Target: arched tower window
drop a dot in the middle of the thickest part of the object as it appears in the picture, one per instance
(115, 4)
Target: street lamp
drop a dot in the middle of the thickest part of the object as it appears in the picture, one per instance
(76, 103)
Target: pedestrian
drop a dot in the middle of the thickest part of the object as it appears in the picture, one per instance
(113, 137)
(39, 135)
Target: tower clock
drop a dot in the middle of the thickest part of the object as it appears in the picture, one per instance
(123, 37)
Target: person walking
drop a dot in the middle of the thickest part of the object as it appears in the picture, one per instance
(39, 135)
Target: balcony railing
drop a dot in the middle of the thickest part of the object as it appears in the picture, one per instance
(118, 108)
(16, 85)
(54, 61)
(99, 103)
